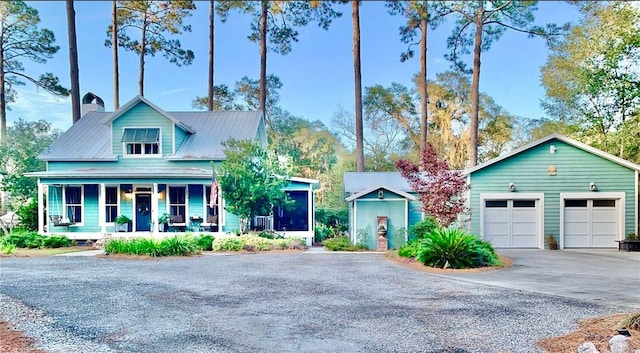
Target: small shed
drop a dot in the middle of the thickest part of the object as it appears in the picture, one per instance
(380, 201)
(554, 187)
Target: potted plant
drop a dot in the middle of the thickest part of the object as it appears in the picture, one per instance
(163, 220)
(551, 241)
(122, 223)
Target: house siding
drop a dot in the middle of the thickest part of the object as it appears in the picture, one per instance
(367, 211)
(576, 168)
(142, 115)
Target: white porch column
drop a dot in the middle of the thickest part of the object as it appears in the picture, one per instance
(41, 214)
(154, 210)
(102, 205)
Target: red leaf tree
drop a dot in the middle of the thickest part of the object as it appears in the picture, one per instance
(440, 189)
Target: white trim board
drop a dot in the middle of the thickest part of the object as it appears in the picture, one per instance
(620, 205)
(539, 196)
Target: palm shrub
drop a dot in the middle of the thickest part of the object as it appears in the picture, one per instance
(454, 248)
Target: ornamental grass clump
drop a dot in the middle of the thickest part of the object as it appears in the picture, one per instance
(453, 248)
(631, 322)
(174, 246)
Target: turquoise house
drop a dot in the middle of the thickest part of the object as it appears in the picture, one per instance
(143, 162)
(554, 187)
(380, 201)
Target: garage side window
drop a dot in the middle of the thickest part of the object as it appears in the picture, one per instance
(604, 203)
(495, 204)
(575, 203)
(524, 203)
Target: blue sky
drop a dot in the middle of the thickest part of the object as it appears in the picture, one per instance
(317, 74)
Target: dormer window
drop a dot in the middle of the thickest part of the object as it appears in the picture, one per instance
(141, 141)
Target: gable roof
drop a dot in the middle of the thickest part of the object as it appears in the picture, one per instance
(140, 99)
(358, 181)
(89, 139)
(378, 187)
(561, 138)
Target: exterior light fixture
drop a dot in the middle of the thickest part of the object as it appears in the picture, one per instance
(593, 186)
(512, 187)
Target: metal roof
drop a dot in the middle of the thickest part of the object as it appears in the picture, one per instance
(358, 182)
(89, 139)
(213, 128)
(199, 173)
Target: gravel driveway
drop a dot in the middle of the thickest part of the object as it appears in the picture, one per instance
(280, 302)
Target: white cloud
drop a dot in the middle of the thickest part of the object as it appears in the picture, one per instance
(33, 105)
(173, 91)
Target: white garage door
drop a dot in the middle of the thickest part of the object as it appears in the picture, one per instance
(590, 223)
(511, 223)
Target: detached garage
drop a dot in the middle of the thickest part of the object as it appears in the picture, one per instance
(580, 196)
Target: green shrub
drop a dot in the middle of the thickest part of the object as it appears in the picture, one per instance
(205, 242)
(342, 243)
(269, 234)
(454, 248)
(320, 233)
(410, 249)
(337, 218)
(227, 244)
(422, 228)
(22, 239)
(56, 241)
(28, 214)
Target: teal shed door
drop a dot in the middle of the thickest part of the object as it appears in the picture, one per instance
(366, 214)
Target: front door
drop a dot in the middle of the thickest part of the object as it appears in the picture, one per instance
(143, 212)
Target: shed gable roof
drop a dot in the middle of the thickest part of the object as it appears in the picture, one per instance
(558, 137)
(374, 188)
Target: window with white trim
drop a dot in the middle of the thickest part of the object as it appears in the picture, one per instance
(177, 200)
(111, 203)
(141, 141)
(73, 203)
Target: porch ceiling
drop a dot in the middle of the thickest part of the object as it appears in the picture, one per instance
(199, 173)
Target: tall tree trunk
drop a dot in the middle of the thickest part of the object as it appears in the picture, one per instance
(73, 61)
(475, 86)
(143, 44)
(114, 39)
(211, 44)
(263, 57)
(3, 102)
(355, 7)
(424, 94)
